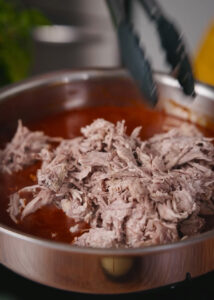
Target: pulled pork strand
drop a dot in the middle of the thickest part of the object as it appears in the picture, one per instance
(132, 193)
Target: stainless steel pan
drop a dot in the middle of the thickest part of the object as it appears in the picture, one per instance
(100, 270)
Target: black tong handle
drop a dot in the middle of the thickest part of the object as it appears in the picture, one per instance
(132, 54)
(172, 42)
(134, 59)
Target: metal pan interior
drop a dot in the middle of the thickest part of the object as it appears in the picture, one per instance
(55, 92)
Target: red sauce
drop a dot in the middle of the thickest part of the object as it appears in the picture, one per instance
(50, 222)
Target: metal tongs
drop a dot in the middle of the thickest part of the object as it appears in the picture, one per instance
(133, 55)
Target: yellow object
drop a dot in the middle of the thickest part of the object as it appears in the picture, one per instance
(117, 266)
(204, 61)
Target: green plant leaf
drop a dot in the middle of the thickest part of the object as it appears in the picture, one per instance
(16, 25)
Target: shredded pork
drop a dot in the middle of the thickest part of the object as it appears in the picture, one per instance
(131, 192)
(24, 149)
